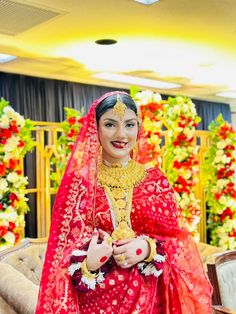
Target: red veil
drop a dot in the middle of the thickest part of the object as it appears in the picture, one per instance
(183, 286)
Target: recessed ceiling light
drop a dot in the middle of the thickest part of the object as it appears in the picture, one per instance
(106, 41)
(147, 2)
(231, 94)
(6, 58)
(134, 80)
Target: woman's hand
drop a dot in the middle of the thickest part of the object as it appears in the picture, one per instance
(99, 250)
(129, 252)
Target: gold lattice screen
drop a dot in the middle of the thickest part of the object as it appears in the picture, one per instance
(46, 137)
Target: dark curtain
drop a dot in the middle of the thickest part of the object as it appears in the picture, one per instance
(209, 111)
(42, 99)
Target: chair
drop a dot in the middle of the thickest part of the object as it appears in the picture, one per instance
(20, 272)
(222, 274)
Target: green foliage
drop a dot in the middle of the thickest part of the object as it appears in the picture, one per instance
(71, 127)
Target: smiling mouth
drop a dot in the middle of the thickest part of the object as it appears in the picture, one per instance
(118, 144)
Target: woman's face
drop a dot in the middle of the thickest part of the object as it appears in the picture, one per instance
(117, 135)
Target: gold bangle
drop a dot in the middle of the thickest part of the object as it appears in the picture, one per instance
(85, 272)
(152, 246)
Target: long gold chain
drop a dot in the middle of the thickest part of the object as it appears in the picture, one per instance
(118, 183)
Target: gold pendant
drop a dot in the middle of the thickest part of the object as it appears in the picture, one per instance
(123, 231)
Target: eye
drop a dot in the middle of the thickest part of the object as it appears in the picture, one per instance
(109, 125)
(130, 125)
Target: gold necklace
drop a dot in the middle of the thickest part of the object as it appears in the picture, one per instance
(121, 177)
(118, 183)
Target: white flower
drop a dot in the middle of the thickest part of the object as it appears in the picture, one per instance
(8, 216)
(9, 237)
(222, 182)
(222, 200)
(4, 122)
(73, 267)
(12, 177)
(13, 115)
(79, 253)
(11, 144)
(3, 185)
(179, 100)
(221, 145)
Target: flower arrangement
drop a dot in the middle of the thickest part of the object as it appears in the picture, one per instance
(181, 164)
(220, 186)
(151, 107)
(15, 141)
(65, 143)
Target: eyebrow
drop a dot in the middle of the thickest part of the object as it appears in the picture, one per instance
(112, 120)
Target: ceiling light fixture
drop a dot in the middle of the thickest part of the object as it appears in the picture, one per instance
(146, 2)
(134, 80)
(105, 41)
(4, 58)
(229, 94)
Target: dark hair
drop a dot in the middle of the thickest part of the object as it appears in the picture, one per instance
(109, 102)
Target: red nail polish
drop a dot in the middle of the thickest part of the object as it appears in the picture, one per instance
(103, 259)
(139, 251)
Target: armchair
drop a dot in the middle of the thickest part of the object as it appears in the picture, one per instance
(222, 276)
(20, 272)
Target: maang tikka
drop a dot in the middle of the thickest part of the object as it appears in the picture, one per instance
(119, 108)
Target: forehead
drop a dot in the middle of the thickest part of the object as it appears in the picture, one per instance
(129, 114)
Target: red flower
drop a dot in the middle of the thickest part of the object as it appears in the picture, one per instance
(2, 169)
(13, 163)
(13, 127)
(232, 233)
(13, 197)
(72, 133)
(3, 230)
(72, 120)
(71, 146)
(11, 226)
(1, 206)
(5, 133)
(226, 213)
(217, 196)
(154, 106)
(81, 120)
(17, 236)
(21, 144)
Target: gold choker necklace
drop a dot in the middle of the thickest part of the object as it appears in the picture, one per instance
(121, 177)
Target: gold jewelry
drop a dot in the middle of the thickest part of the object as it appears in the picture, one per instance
(121, 258)
(109, 240)
(152, 245)
(118, 184)
(85, 272)
(119, 108)
(121, 177)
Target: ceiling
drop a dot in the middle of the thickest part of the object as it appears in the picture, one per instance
(188, 42)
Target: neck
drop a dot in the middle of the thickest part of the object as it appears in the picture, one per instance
(110, 161)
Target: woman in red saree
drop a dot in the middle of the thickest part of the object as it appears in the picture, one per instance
(115, 243)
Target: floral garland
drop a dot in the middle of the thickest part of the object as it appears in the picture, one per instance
(220, 186)
(151, 107)
(181, 164)
(15, 141)
(65, 144)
